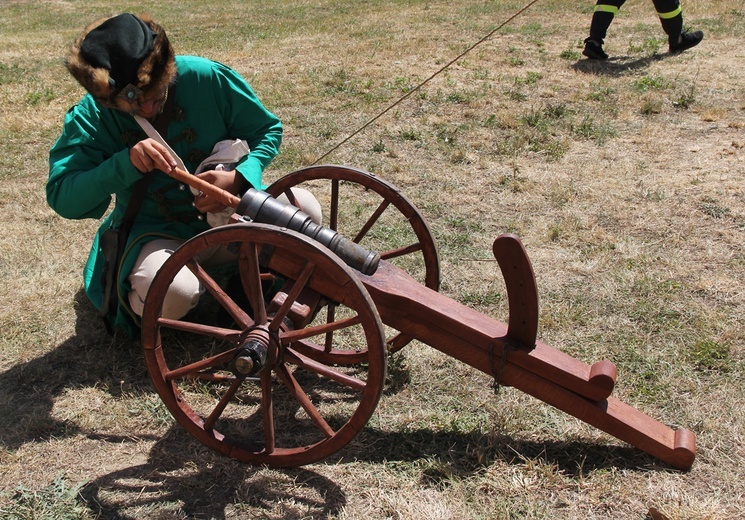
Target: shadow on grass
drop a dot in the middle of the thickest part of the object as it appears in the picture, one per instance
(466, 453)
(88, 358)
(180, 474)
(617, 65)
(185, 479)
(183, 474)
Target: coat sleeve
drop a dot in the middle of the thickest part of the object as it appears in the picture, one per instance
(247, 118)
(88, 163)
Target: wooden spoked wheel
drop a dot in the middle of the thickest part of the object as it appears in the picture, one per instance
(258, 388)
(375, 214)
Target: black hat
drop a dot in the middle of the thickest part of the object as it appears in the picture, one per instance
(119, 45)
(124, 52)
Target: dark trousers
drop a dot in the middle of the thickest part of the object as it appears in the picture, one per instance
(669, 12)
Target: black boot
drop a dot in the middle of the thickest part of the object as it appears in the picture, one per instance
(594, 50)
(686, 41)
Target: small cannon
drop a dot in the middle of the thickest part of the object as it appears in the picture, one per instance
(298, 364)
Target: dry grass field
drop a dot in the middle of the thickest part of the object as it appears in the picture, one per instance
(625, 180)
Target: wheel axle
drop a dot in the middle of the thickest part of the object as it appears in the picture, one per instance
(251, 356)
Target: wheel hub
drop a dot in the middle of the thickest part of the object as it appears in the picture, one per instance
(253, 355)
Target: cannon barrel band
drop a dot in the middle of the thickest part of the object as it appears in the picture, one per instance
(261, 207)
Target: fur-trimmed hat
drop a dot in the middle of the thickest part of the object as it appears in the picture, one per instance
(124, 52)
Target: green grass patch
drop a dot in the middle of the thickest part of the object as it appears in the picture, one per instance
(60, 500)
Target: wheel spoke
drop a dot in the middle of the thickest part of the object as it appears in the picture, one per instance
(291, 197)
(267, 411)
(297, 392)
(371, 221)
(238, 314)
(199, 328)
(305, 362)
(192, 368)
(298, 286)
(334, 210)
(209, 423)
(401, 251)
(328, 343)
(250, 253)
(296, 335)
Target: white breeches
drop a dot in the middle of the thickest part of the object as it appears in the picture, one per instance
(185, 290)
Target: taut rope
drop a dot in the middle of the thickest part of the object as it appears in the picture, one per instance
(415, 89)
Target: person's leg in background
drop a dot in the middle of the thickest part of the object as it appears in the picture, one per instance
(671, 18)
(602, 17)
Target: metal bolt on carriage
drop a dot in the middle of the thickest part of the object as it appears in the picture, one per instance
(297, 364)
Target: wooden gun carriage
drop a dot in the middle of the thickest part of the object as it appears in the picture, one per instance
(298, 365)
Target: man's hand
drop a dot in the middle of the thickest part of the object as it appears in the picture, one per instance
(230, 181)
(150, 155)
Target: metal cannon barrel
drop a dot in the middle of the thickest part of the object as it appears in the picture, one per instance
(261, 207)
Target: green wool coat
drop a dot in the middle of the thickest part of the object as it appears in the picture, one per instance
(90, 163)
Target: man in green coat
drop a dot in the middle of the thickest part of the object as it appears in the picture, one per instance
(128, 67)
